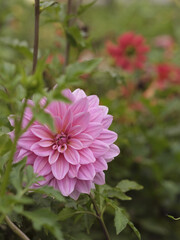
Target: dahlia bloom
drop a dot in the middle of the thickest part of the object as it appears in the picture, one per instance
(130, 52)
(167, 73)
(73, 157)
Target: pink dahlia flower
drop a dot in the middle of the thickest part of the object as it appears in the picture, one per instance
(73, 157)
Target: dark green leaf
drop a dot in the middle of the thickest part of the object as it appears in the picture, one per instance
(120, 220)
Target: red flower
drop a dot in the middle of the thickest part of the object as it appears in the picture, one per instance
(130, 53)
(167, 73)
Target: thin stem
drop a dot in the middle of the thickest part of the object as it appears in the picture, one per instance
(15, 229)
(67, 50)
(36, 35)
(100, 217)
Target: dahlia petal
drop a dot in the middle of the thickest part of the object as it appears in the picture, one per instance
(86, 172)
(80, 105)
(31, 157)
(113, 152)
(53, 183)
(99, 148)
(11, 135)
(60, 168)
(81, 119)
(75, 194)
(85, 139)
(20, 154)
(67, 120)
(100, 164)
(45, 143)
(104, 110)
(79, 93)
(11, 119)
(86, 156)
(68, 94)
(99, 178)
(58, 124)
(108, 136)
(41, 166)
(75, 143)
(41, 132)
(27, 140)
(40, 151)
(106, 122)
(53, 157)
(57, 109)
(93, 101)
(73, 170)
(95, 114)
(94, 129)
(66, 185)
(83, 186)
(75, 130)
(72, 156)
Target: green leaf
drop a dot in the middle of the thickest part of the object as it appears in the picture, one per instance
(50, 191)
(176, 219)
(77, 69)
(75, 36)
(43, 117)
(117, 193)
(45, 5)
(21, 46)
(31, 177)
(17, 174)
(120, 220)
(135, 230)
(44, 218)
(84, 7)
(127, 185)
(66, 213)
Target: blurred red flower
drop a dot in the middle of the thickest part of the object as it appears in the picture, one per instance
(130, 52)
(167, 73)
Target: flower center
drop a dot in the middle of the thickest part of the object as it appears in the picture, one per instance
(130, 51)
(60, 142)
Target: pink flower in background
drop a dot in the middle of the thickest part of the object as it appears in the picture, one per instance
(130, 52)
(75, 155)
(166, 74)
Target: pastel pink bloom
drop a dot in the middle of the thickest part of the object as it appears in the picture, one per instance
(73, 158)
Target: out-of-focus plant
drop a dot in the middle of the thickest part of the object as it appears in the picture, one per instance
(31, 78)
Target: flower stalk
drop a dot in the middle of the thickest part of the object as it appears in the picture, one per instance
(36, 36)
(100, 217)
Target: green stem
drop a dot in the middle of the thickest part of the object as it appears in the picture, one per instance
(100, 217)
(8, 168)
(36, 35)
(67, 50)
(15, 229)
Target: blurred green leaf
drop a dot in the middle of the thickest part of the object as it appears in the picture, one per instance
(66, 213)
(135, 230)
(176, 219)
(45, 218)
(50, 191)
(127, 185)
(77, 69)
(43, 117)
(84, 7)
